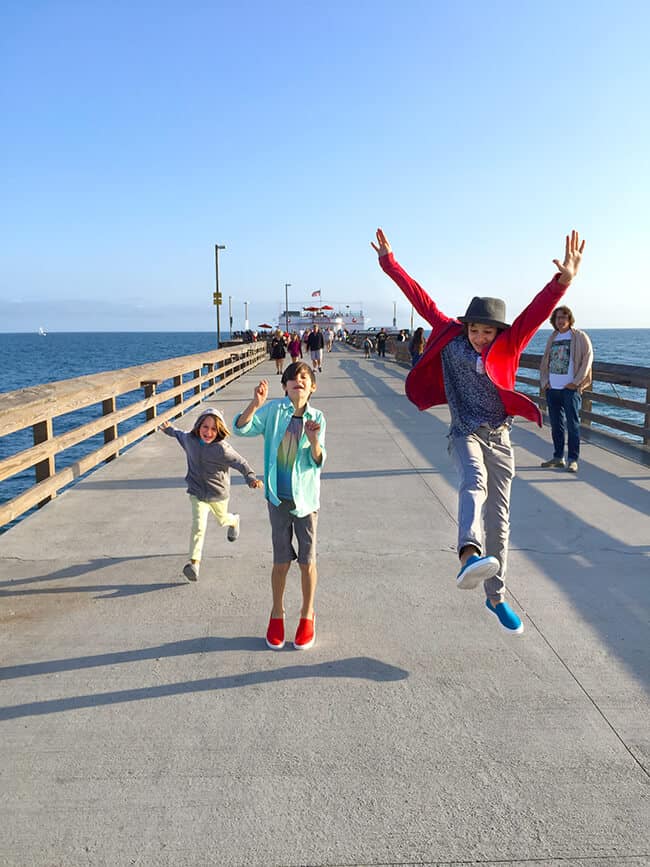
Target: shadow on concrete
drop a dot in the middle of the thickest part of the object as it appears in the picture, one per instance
(379, 474)
(624, 491)
(111, 591)
(359, 668)
(236, 480)
(592, 583)
(210, 644)
(135, 484)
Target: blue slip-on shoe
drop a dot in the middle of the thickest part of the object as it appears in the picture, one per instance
(476, 570)
(507, 617)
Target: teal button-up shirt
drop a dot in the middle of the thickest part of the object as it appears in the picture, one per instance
(272, 420)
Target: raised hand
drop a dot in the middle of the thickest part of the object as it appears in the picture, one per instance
(261, 393)
(382, 247)
(572, 258)
(312, 429)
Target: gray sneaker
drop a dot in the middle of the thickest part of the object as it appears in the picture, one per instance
(233, 532)
(554, 462)
(573, 467)
(191, 571)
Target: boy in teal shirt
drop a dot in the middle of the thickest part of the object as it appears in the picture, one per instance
(294, 452)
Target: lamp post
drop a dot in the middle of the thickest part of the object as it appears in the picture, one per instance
(394, 314)
(245, 315)
(230, 313)
(286, 306)
(217, 294)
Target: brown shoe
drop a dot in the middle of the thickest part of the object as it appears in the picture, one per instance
(554, 462)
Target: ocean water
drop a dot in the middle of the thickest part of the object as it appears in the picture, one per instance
(615, 346)
(30, 359)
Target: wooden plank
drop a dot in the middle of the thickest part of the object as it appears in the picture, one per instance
(47, 449)
(48, 488)
(615, 423)
(19, 409)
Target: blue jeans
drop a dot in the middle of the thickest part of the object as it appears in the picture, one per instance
(564, 412)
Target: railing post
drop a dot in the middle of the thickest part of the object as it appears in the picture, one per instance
(42, 432)
(646, 438)
(210, 367)
(586, 407)
(110, 433)
(178, 398)
(149, 391)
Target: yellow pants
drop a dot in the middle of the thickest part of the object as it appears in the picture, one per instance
(200, 512)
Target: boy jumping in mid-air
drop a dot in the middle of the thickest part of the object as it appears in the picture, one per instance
(470, 363)
(294, 453)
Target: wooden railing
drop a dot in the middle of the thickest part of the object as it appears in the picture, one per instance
(626, 375)
(39, 407)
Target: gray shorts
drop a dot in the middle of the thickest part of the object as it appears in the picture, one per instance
(284, 525)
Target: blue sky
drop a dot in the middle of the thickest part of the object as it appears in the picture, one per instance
(136, 135)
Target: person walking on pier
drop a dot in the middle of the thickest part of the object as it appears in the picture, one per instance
(315, 345)
(470, 363)
(294, 453)
(278, 351)
(295, 347)
(382, 340)
(209, 461)
(564, 373)
(416, 346)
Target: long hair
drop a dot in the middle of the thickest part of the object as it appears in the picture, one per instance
(219, 423)
(418, 341)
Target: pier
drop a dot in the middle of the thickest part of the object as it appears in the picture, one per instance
(145, 722)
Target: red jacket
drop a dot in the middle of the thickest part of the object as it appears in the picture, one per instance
(425, 385)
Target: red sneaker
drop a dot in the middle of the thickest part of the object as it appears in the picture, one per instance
(305, 634)
(275, 633)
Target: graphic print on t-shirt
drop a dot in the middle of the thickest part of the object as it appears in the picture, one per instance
(287, 451)
(560, 356)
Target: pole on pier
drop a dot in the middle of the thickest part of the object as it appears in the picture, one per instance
(286, 306)
(230, 313)
(217, 294)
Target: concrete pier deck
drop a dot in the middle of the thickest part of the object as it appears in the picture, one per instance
(144, 721)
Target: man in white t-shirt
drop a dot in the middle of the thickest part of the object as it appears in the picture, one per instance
(564, 373)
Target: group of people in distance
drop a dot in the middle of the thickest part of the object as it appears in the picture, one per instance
(315, 340)
(469, 363)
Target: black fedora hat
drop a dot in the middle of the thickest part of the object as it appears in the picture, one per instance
(486, 311)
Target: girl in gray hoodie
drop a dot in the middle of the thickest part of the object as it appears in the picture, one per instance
(209, 461)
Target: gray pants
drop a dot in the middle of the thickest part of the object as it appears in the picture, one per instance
(486, 467)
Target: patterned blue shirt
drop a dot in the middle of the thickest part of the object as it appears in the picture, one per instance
(472, 397)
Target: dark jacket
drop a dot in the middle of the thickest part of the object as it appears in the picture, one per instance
(315, 341)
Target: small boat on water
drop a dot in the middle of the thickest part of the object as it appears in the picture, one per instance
(42, 332)
(348, 317)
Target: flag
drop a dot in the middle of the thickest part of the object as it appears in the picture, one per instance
(314, 294)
